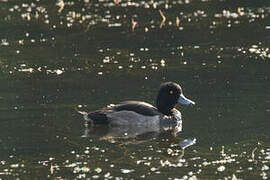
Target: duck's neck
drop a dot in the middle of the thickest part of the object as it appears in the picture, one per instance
(165, 108)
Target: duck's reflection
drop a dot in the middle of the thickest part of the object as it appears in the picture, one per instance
(138, 133)
(130, 130)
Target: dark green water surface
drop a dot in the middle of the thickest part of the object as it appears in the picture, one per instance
(85, 55)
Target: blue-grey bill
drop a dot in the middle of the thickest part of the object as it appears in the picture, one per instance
(183, 100)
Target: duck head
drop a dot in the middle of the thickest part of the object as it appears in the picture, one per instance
(169, 95)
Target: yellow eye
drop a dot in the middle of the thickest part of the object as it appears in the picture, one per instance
(171, 91)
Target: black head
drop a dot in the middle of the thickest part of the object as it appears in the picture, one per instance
(167, 97)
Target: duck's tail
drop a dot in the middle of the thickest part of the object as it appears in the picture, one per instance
(85, 115)
(95, 117)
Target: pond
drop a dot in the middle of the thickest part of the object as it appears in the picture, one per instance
(57, 57)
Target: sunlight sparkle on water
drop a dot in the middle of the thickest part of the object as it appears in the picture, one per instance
(64, 54)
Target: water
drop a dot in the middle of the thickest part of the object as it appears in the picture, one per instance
(84, 55)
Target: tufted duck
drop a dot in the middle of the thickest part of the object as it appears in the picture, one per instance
(143, 115)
